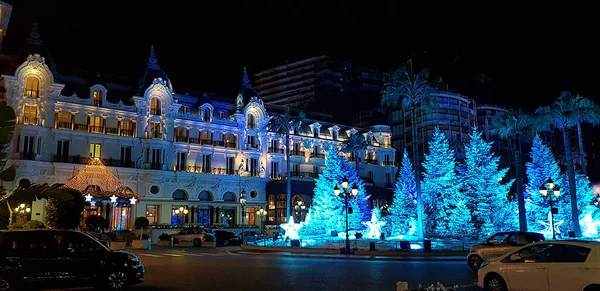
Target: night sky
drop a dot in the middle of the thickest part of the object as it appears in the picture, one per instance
(505, 54)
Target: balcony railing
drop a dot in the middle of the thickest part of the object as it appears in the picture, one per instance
(112, 130)
(317, 155)
(30, 120)
(207, 142)
(28, 156)
(194, 140)
(219, 143)
(181, 139)
(275, 151)
(388, 163)
(155, 111)
(64, 125)
(118, 163)
(127, 132)
(304, 175)
(155, 135)
(216, 171)
(275, 176)
(297, 153)
(230, 145)
(371, 161)
(71, 159)
(95, 128)
(253, 147)
(81, 127)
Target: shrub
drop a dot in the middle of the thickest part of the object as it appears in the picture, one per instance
(4, 221)
(33, 224)
(96, 222)
(15, 225)
(141, 223)
(164, 236)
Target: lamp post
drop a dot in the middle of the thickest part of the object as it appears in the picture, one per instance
(243, 206)
(548, 190)
(346, 195)
(300, 208)
(183, 211)
(262, 213)
(22, 210)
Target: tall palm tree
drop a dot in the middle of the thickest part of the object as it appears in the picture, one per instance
(562, 115)
(355, 144)
(412, 92)
(585, 111)
(282, 124)
(512, 126)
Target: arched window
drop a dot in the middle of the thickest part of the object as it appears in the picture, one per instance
(206, 115)
(155, 106)
(205, 196)
(251, 121)
(97, 98)
(32, 87)
(271, 208)
(229, 196)
(281, 206)
(180, 195)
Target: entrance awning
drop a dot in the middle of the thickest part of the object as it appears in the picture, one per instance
(99, 181)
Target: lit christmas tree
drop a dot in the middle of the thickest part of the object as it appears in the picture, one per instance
(542, 166)
(445, 210)
(585, 198)
(326, 208)
(360, 203)
(486, 195)
(403, 211)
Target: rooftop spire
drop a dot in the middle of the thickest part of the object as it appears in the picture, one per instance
(152, 59)
(245, 79)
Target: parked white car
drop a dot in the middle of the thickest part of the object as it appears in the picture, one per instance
(193, 235)
(545, 266)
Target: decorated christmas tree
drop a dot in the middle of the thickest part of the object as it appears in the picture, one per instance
(403, 211)
(326, 208)
(585, 198)
(440, 189)
(542, 166)
(360, 203)
(486, 195)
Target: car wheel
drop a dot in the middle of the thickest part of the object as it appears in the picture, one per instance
(226, 242)
(5, 285)
(474, 262)
(117, 281)
(197, 243)
(588, 288)
(494, 283)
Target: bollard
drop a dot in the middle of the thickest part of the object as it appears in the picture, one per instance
(401, 286)
(427, 245)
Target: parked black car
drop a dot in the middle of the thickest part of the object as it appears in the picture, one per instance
(49, 259)
(226, 237)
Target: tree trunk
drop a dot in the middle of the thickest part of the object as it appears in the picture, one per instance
(581, 151)
(417, 165)
(519, 173)
(289, 176)
(357, 161)
(572, 184)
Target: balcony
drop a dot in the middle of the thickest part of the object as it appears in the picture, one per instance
(371, 161)
(155, 111)
(28, 156)
(207, 142)
(230, 145)
(118, 163)
(194, 140)
(216, 171)
(64, 125)
(275, 176)
(81, 127)
(127, 132)
(95, 128)
(155, 135)
(30, 120)
(367, 179)
(153, 166)
(275, 151)
(182, 139)
(304, 175)
(317, 155)
(388, 163)
(112, 130)
(297, 153)
(253, 147)
(71, 159)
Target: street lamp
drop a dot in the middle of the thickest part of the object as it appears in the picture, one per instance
(183, 211)
(300, 208)
(345, 194)
(261, 214)
(22, 210)
(548, 190)
(243, 205)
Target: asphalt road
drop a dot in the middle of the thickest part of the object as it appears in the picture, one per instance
(196, 269)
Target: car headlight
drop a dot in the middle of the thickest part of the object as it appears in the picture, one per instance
(134, 259)
(485, 263)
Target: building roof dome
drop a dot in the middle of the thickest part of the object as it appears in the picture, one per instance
(152, 72)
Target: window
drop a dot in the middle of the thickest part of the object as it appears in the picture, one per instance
(32, 87)
(126, 156)
(154, 189)
(230, 166)
(127, 128)
(181, 161)
(250, 218)
(205, 196)
(370, 173)
(180, 195)
(30, 115)
(315, 132)
(206, 115)
(28, 144)
(95, 149)
(251, 140)
(206, 163)
(152, 213)
(229, 196)
(535, 254)
(63, 120)
(251, 121)
(271, 209)
(274, 170)
(334, 135)
(253, 167)
(62, 151)
(281, 208)
(202, 216)
(221, 115)
(95, 124)
(179, 217)
(253, 194)
(155, 106)
(155, 130)
(154, 158)
(388, 180)
(97, 98)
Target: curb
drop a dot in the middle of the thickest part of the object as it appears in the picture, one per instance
(357, 257)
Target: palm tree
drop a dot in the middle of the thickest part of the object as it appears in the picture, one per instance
(562, 115)
(512, 126)
(282, 124)
(354, 144)
(402, 87)
(585, 111)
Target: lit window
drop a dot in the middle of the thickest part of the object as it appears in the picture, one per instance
(97, 98)
(251, 121)
(206, 115)
(95, 124)
(95, 149)
(152, 213)
(155, 106)
(30, 115)
(32, 87)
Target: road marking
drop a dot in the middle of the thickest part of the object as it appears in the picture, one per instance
(172, 255)
(232, 253)
(150, 255)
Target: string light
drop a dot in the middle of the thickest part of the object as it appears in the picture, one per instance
(98, 180)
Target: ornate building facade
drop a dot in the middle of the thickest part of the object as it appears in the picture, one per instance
(186, 157)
